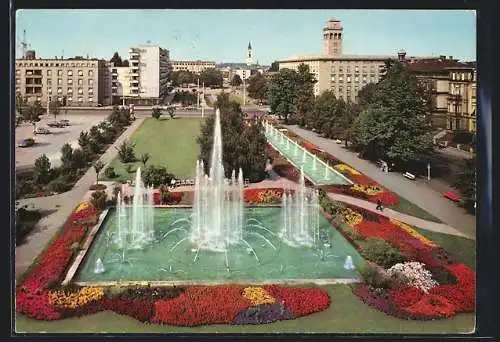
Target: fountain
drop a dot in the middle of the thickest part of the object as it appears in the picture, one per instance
(300, 216)
(348, 264)
(99, 267)
(136, 224)
(218, 202)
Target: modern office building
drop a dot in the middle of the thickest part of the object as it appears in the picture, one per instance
(192, 66)
(79, 81)
(149, 66)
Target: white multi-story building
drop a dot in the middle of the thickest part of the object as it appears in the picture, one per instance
(192, 66)
(147, 75)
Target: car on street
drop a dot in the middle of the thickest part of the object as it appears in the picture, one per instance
(56, 124)
(41, 130)
(26, 142)
(64, 122)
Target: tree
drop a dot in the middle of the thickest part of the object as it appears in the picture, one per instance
(32, 112)
(144, 158)
(78, 159)
(243, 147)
(236, 81)
(324, 114)
(275, 66)
(66, 156)
(211, 77)
(116, 59)
(126, 152)
(54, 108)
(348, 116)
(156, 113)
(365, 94)
(281, 91)
(84, 141)
(171, 111)
(304, 94)
(42, 169)
(156, 176)
(396, 124)
(98, 166)
(466, 183)
(257, 87)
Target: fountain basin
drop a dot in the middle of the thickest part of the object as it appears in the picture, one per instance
(174, 259)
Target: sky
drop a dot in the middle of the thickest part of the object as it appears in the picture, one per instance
(223, 35)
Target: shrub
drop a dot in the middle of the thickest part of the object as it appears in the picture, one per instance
(381, 252)
(109, 172)
(128, 168)
(126, 152)
(372, 276)
(413, 274)
(97, 187)
(99, 199)
(156, 176)
(59, 186)
(442, 275)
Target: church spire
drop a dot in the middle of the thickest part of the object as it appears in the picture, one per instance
(249, 46)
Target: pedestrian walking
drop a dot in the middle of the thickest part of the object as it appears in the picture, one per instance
(379, 205)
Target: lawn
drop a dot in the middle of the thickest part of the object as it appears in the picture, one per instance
(406, 207)
(462, 249)
(170, 142)
(346, 314)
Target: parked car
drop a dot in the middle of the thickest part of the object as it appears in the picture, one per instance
(64, 122)
(56, 124)
(26, 142)
(41, 130)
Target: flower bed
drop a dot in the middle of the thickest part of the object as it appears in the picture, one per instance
(42, 297)
(263, 196)
(410, 300)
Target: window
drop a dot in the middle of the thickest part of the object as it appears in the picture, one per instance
(348, 79)
(49, 72)
(80, 91)
(364, 78)
(91, 91)
(18, 72)
(50, 90)
(91, 73)
(70, 90)
(80, 99)
(70, 81)
(341, 79)
(356, 79)
(59, 81)
(356, 69)
(341, 89)
(59, 90)
(348, 89)
(70, 99)
(80, 72)
(91, 99)
(70, 72)
(18, 81)
(333, 78)
(91, 81)
(59, 99)
(29, 73)
(80, 81)
(463, 77)
(59, 72)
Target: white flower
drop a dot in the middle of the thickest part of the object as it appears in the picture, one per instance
(414, 274)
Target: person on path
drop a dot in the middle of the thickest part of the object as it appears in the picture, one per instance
(379, 205)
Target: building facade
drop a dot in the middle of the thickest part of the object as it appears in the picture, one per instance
(149, 67)
(344, 75)
(453, 87)
(192, 66)
(80, 82)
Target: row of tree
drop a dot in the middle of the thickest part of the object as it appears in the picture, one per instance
(210, 77)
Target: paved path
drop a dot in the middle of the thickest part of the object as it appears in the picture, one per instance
(411, 220)
(417, 192)
(61, 206)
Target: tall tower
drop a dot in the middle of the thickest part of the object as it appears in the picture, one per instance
(332, 38)
(249, 54)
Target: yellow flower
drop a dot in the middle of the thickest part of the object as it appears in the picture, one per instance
(413, 233)
(257, 295)
(370, 190)
(82, 206)
(345, 168)
(73, 300)
(351, 217)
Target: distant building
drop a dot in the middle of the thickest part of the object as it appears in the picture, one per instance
(79, 82)
(149, 66)
(249, 55)
(453, 85)
(192, 66)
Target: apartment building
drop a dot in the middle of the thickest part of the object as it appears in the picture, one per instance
(192, 66)
(345, 75)
(147, 75)
(79, 81)
(453, 85)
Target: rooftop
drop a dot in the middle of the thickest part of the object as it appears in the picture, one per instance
(437, 64)
(341, 57)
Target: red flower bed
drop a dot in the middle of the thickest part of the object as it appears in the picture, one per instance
(300, 301)
(174, 197)
(387, 198)
(432, 306)
(311, 147)
(406, 296)
(263, 195)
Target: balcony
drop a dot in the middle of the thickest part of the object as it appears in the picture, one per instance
(454, 97)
